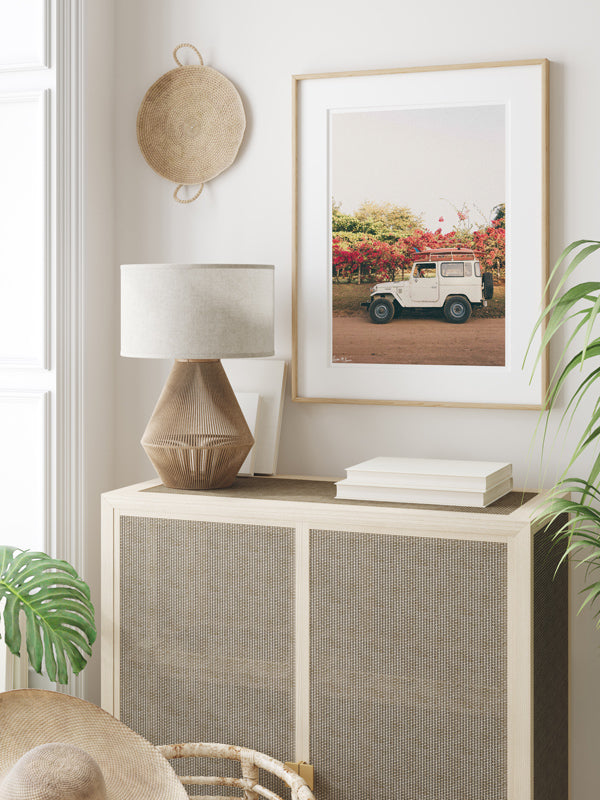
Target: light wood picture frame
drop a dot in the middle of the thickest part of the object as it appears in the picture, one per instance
(332, 111)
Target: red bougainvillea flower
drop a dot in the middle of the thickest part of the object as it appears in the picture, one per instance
(389, 261)
(441, 219)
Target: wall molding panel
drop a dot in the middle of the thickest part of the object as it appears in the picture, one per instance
(68, 541)
(26, 245)
(25, 20)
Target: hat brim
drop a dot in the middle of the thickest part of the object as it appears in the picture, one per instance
(131, 766)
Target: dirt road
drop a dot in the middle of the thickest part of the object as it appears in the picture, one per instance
(418, 340)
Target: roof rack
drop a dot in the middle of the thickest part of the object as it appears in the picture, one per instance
(446, 254)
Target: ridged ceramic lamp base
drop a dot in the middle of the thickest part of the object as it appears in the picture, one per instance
(197, 437)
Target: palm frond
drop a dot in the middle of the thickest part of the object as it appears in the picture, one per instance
(574, 503)
(581, 303)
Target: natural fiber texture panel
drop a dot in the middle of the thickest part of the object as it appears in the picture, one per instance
(190, 124)
(408, 667)
(207, 644)
(551, 665)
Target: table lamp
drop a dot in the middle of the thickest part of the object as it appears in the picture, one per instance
(197, 437)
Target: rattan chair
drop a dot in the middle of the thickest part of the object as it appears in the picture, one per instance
(250, 761)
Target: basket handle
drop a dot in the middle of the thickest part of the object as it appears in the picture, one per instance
(191, 46)
(191, 199)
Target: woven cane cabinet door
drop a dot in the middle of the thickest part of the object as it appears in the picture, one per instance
(407, 652)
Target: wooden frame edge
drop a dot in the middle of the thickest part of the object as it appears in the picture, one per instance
(526, 62)
(109, 607)
(295, 239)
(422, 403)
(302, 641)
(545, 365)
(544, 63)
(519, 677)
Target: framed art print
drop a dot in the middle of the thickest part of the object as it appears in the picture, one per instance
(425, 190)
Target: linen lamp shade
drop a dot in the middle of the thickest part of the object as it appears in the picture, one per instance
(196, 310)
(197, 437)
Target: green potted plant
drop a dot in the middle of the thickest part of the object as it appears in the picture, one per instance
(572, 314)
(59, 615)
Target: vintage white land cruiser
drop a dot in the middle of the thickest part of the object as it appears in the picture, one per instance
(449, 279)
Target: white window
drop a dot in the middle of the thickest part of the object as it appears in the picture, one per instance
(453, 269)
(425, 270)
(36, 151)
(27, 265)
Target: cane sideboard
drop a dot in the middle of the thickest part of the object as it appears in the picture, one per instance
(407, 652)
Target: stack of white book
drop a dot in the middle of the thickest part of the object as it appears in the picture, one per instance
(425, 480)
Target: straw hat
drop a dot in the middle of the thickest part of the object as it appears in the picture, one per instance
(56, 747)
(190, 124)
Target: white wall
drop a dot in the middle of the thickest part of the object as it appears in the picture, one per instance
(245, 214)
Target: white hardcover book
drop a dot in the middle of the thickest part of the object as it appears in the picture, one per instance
(349, 490)
(429, 473)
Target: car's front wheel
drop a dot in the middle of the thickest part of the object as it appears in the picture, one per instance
(457, 309)
(381, 311)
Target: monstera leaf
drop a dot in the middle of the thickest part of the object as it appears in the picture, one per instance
(58, 611)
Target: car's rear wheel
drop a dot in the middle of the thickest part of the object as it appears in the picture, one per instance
(381, 311)
(457, 309)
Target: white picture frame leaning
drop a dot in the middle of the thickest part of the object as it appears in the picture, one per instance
(265, 377)
(249, 402)
(520, 86)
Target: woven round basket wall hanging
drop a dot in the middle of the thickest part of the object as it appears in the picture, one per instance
(190, 124)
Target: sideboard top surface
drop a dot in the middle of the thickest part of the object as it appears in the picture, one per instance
(314, 496)
(302, 490)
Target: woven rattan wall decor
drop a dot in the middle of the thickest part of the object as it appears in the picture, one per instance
(190, 124)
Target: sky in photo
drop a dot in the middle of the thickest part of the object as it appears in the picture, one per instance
(426, 159)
